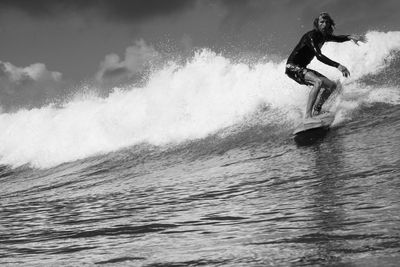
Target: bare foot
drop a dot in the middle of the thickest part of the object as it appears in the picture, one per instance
(311, 120)
(323, 114)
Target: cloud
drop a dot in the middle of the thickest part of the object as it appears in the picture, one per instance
(27, 86)
(115, 9)
(138, 58)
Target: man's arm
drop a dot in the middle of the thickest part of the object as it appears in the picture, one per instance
(357, 38)
(338, 38)
(343, 38)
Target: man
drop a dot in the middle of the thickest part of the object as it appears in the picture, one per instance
(308, 47)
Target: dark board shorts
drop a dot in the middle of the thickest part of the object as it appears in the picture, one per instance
(298, 73)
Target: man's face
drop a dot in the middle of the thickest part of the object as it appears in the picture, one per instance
(324, 25)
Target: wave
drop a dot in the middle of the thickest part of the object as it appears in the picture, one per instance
(182, 102)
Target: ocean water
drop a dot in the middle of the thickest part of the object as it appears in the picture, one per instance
(198, 167)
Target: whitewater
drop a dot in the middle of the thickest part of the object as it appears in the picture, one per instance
(181, 102)
(197, 166)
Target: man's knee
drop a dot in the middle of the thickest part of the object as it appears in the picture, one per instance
(328, 84)
(333, 86)
(318, 82)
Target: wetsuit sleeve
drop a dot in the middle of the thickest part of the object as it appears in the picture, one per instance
(320, 56)
(338, 38)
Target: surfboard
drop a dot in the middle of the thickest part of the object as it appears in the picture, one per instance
(307, 132)
(325, 121)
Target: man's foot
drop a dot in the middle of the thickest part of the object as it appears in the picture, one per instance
(311, 120)
(322, 113)
(317, 110)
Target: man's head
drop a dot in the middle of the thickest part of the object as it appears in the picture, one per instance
(324, 23)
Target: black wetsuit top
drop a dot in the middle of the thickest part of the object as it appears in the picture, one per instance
(310, 45)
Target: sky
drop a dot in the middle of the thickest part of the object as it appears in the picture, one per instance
(51, 45)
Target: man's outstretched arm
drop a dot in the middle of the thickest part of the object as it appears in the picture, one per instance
(343, 38)
(357, 38)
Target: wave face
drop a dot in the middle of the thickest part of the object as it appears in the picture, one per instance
(182, 102)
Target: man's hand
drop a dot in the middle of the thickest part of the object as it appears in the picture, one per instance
(344, 70)
(357, 38)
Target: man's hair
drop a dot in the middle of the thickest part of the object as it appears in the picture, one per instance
(326, 16)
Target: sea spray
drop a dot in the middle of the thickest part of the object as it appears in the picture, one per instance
(181, 102)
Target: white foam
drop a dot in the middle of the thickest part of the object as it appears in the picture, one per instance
(179, 103)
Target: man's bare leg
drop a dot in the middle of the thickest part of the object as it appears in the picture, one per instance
(322, 98)
(318, 83)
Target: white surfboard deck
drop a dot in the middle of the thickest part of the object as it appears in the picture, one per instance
(325, 121)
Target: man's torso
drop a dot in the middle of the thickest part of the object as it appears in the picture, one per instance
(303, 53)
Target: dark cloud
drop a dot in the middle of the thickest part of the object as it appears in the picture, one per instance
(114, 9)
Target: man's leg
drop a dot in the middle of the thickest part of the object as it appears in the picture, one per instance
(318, 82)
(323, 97)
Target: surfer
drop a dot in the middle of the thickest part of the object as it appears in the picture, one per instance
(308, 48)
